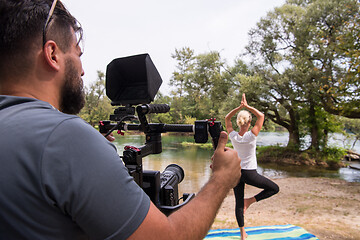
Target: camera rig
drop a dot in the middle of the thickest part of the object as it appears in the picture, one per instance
(132, 82)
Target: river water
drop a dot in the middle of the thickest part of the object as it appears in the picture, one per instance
(196, 161)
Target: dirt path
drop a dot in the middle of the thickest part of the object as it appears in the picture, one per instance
(327, 208)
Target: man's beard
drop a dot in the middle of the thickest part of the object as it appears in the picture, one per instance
(72, 93)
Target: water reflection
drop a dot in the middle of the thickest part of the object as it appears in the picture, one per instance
(277, 171)
(196, 161)
(272, 138)
(281, 139)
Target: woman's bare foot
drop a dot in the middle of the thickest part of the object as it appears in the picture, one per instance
(248, 202)
(244, 237)
(243, 233)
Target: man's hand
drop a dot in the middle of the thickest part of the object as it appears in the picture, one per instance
(110, 137)
(193, 220)
(226, 163)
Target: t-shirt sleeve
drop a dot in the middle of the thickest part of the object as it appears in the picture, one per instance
(232, 135)
(250, 136)
(83, 176)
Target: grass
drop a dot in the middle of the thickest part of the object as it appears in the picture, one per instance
(329, 157)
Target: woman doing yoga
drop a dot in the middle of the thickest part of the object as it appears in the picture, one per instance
(244, 143)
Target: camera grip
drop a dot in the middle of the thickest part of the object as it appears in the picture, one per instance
(214, 130)
(153, 108)
(178, 128)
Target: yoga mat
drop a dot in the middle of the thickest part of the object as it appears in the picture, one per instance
(279, 232)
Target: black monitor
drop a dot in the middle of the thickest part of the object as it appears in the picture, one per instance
(132, 80)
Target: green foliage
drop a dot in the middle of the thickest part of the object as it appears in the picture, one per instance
(304, 53)
(201, 87)
(352, 129)
(97, 106)
(330, 155)
(181, 79)
(273, 151)
(207, 145)
(189, 120)
(333, 154)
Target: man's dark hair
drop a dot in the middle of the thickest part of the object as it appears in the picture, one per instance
(21, 31)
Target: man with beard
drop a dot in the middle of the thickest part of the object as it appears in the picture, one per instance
(60, 178)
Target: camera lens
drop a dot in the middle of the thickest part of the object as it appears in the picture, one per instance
(176, 170)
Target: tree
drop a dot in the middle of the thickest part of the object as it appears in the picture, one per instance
(201, 87)
(334, 36)
(97, 106)
(298, 50)
(185, 61)
(352, 126)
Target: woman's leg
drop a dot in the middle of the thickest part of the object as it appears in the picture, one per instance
(254, 179)
(243, 233)
(248, 202)
(239, 206)
(251, 177)
(239, 202)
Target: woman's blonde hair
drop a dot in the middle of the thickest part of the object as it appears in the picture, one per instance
(243, 117)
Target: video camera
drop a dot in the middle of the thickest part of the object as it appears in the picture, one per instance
(132, 83)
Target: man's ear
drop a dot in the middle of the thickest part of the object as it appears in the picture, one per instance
(51, 55)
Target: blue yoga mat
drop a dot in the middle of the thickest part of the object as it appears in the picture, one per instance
(279, 232)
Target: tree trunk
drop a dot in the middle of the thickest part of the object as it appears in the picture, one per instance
(326, 137)
(294, 134)
(315, 144)
(294, 139)
(292, 125)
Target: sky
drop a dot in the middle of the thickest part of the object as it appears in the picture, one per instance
(118, 28)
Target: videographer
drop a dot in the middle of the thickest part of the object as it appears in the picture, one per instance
(60, 178)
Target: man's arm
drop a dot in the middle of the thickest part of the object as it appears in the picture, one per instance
(194, 220)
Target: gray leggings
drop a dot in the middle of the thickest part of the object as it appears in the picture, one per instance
(251, 177)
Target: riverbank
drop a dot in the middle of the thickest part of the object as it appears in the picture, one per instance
(327, 208)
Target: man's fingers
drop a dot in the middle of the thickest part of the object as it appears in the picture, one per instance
(222, 141)
(110, 137)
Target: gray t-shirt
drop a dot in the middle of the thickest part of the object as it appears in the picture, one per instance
(60, 178)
